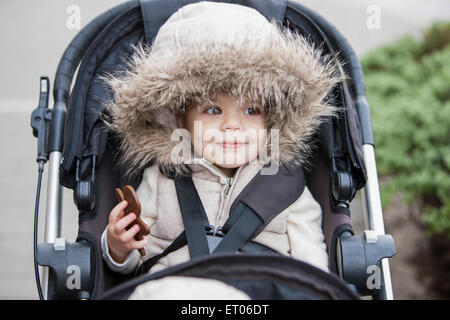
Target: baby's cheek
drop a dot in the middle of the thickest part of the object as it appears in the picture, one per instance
(198, 144)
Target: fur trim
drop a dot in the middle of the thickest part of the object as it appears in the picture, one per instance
(287, 75)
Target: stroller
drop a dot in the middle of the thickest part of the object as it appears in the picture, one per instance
(82, 154)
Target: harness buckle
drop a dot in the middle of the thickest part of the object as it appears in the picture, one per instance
(219, 232)
(210, 230)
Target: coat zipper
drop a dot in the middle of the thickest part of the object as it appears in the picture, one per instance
(229, 180)
(228, 186)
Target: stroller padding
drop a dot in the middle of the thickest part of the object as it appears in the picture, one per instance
(261, 277)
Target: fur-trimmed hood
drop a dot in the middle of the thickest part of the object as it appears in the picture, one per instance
(197, 54)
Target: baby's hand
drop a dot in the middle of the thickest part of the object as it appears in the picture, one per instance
(120, 240)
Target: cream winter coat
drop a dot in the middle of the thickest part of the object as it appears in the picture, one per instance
(202, 49)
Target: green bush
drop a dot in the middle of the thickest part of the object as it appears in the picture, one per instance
(408, 89)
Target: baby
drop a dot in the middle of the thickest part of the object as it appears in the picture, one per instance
(221, 80)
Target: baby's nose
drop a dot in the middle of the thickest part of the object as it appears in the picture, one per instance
(232, 122)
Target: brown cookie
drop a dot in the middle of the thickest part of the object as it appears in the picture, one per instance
(129, 194)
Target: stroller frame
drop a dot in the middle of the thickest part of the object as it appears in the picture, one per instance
(373, 215)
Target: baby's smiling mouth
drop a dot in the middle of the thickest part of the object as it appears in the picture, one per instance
(232, 145)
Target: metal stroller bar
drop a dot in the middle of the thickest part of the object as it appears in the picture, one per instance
(63, 79)
(373, 215)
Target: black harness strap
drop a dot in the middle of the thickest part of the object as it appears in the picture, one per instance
(194, 217)
(269, 194)
(243, 224)
(178, 243)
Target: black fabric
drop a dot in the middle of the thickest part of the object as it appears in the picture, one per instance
(319, 183)
(194, 217)
(107, 53)
(241, 231)
(273, 276)
(341, 137)
(252, 247)
(78, 46)
(92, 225)
(333, 254)
(268, 195)
(178, 243)
(355, 142)
(268, 289)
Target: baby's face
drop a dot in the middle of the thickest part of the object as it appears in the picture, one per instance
(225, 133)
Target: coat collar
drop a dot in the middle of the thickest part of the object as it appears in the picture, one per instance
(208, 171)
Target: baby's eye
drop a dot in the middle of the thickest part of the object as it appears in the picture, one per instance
(252, 111)
(213, 110)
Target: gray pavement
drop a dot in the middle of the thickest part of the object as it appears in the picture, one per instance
(33, 39)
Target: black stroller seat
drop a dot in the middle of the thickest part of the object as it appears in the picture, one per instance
(83, 158)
